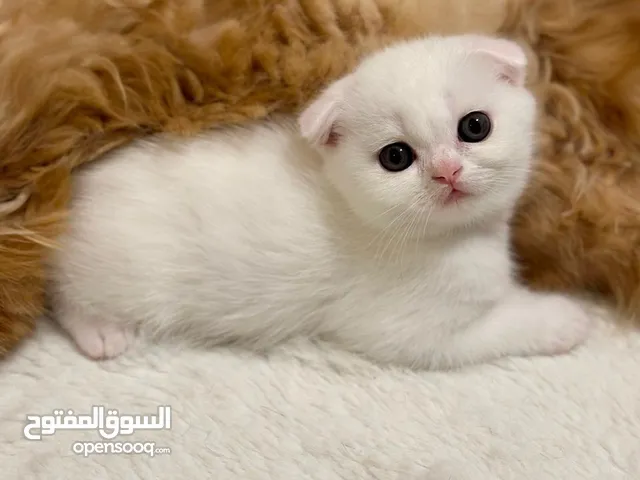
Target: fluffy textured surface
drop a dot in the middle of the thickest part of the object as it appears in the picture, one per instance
(578, 225)
(310, 412)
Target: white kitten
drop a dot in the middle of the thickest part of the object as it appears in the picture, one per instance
(382, 226)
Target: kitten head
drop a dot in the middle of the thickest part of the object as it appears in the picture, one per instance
(438, 129)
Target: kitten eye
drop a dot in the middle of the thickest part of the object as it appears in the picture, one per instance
(396, 157)
(474, 127)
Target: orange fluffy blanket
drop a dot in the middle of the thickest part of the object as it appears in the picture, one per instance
(81, 77)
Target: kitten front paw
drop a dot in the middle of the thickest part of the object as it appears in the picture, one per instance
(101, 340)
(562, 325)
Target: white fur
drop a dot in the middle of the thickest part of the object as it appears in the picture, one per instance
(257, 234)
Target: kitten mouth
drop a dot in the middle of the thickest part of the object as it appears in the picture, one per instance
(455, 196)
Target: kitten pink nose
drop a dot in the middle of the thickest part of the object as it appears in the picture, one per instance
(447, 172)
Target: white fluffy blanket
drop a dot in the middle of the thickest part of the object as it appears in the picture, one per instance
(311, 412)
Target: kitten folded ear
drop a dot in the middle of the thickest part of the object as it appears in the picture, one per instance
(508, 56)
(317, 121)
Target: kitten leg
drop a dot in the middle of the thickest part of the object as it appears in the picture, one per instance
(523, 324)
(95, 336)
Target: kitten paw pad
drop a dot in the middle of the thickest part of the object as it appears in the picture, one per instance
(102, 341)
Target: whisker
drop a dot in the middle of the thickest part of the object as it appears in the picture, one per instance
(397, 229)
(406, 236)
(383, 231)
